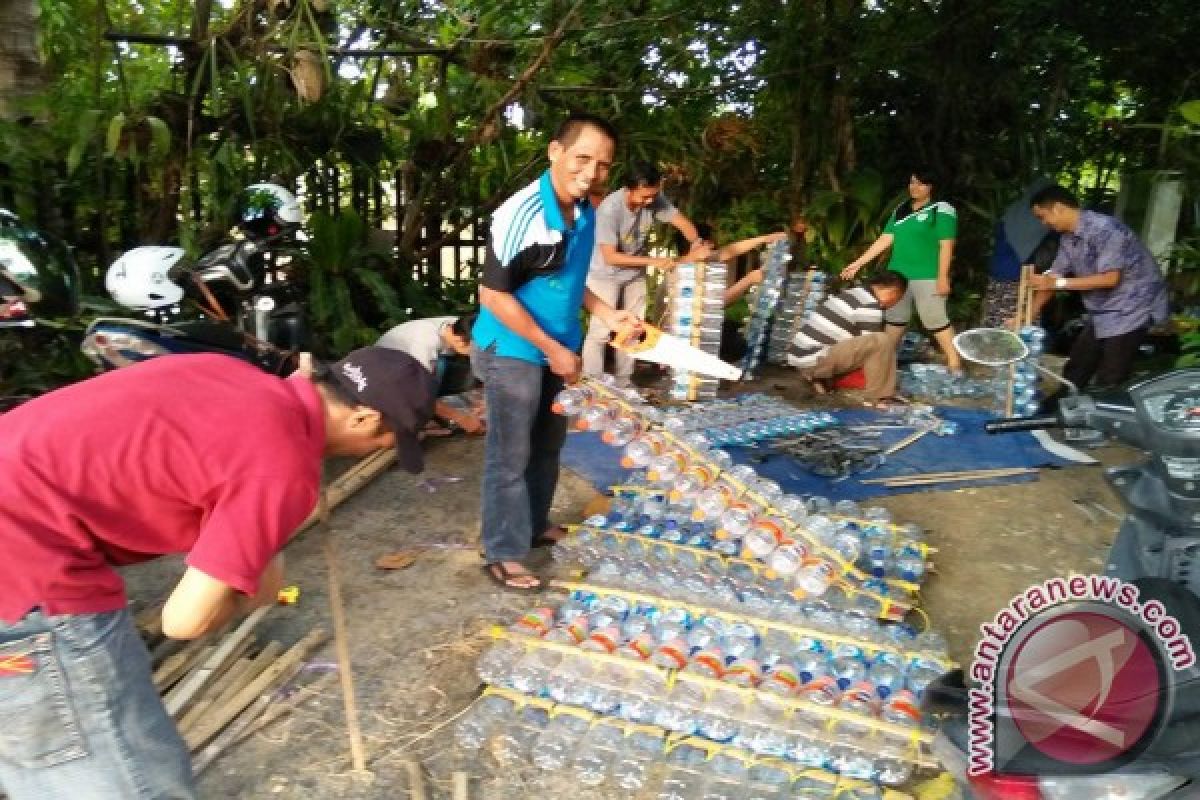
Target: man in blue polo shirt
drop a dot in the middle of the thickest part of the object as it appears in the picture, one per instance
(527, 337)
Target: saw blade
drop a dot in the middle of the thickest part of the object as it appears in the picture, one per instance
(663, 348)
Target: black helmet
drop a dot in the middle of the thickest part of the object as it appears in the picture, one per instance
(36, 270)
(267, 209)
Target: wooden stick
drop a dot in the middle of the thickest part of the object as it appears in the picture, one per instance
(358, 757)
(906, 441)
(261, 713)
(416, 780)
(218, 718)
(213, 665)
(237, 666)
(981, 473)
(460, 785)
(952, 479)
(230, 684)
(345, 485)
(175, 666)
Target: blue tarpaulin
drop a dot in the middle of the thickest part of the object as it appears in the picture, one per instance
(969, 449)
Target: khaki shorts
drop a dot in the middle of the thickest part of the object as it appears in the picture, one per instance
(931, 307)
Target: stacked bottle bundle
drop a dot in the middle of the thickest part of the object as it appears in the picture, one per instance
(802, 292)
(745, 419)
(935, 383)
(827, 703)
(1025, 383)
(571, 750)
(697, 309)
(766, 304)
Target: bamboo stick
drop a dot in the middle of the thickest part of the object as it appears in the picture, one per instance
(265, 710)
(460, 785)
(238, 663)
(952, 479)
(176, 665)
(416, 780)
(358, 755)
(215, 697)
(190, 687)
(906, 441)
(977, 473)
(220, 717)
(350, 481)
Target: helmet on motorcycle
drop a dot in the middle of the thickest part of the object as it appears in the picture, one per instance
(267, 209)
(36, 270)
(140, 278)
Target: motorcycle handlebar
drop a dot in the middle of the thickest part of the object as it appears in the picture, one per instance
(1013, 424)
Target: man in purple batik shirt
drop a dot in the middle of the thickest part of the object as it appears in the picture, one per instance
(1122, 287)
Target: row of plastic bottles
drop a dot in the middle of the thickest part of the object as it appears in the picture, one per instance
(738, 652)
(697, 310)
(802, 292)
(572, 752)
(787, 539)
(845, 740)
(766, 305)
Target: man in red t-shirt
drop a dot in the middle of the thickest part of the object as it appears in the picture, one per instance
(204, 455)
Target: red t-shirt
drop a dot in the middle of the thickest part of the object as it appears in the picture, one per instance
(202, 454)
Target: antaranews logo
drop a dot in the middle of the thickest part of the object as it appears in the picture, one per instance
(1074, 676)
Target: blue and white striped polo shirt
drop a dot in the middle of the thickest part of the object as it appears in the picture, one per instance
(535, 257)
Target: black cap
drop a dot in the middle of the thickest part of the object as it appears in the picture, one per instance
(396, 385)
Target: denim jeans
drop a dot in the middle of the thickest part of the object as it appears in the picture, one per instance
(81, 718)
(520, 462)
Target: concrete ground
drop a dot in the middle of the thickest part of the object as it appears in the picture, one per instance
(415, 633)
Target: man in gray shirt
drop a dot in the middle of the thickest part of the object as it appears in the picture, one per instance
(619, 262)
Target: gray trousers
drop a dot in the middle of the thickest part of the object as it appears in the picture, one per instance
(626, 293)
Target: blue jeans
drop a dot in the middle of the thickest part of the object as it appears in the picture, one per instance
(79, 715)
(520, 463)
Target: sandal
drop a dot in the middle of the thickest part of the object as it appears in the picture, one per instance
(546, 539)
(885, 403)
(503, 577)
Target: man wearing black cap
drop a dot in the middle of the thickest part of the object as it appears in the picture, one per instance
(203, 455)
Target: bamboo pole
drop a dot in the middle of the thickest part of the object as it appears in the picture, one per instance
(998, 472)
(460, 785)
(952, 479)
(345, 485)
(232, 682)
(190, 687)
(416, 780)
(176, 665)
(261, 713)
(358, 755)
(906, 441)
(220, 717)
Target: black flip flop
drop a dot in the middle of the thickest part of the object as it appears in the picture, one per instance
(502, 579)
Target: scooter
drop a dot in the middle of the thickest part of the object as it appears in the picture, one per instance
(248, 307)
(1159, 539)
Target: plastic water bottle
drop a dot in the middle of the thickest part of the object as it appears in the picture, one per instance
(764, 536)
(815, 576)
(595, 754)
(691, 483)
(558, 740)
(720, 716)
(887, 675)
(496, 664)
(713, 501)
(910, 564)
(596, 417)
(666, 468)
(573, 400)
(530, 674)
(893, 760)
(709, 662)
(620, 432)
(785, 561)
(742, 671)
(672, 653)
(474, 727)
(632, 764)
(642, 450)
(848, 668)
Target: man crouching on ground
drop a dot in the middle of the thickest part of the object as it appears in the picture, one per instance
(198, 454)
(845, 333)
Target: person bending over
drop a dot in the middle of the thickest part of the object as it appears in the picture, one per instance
(845, 333)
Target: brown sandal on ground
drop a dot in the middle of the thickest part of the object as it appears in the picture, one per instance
(504, 577)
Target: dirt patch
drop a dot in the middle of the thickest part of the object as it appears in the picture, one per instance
(415, 632)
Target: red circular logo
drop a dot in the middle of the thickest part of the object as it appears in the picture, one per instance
(1083, 687)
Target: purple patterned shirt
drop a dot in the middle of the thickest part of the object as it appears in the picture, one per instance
(1102, 243)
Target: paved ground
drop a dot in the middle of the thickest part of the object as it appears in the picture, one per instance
(415, 633)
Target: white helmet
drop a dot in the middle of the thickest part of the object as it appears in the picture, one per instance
(140, 278)
(266, 209)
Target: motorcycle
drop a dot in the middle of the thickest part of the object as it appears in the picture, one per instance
(249, 306)
(1155, 547)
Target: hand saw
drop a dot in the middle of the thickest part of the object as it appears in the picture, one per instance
(651, 344)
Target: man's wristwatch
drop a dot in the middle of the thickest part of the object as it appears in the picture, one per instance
(1060, 283)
